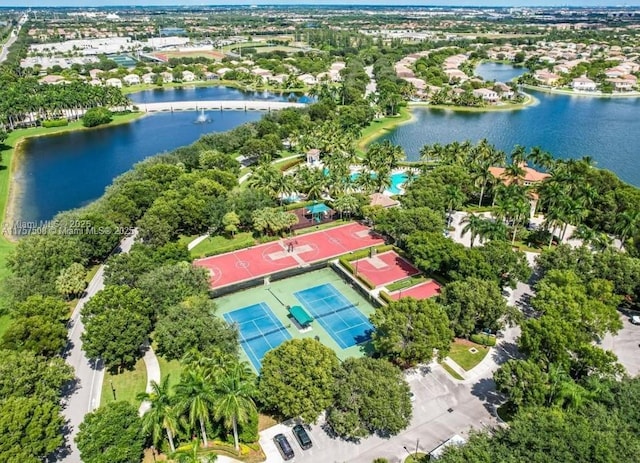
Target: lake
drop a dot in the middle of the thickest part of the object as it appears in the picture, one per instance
(607, 129)
(160, 95)
(70, 170)
(499, 72)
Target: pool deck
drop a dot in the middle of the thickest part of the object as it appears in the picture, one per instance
(279, 294)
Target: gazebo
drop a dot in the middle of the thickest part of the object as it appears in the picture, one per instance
(316, 210)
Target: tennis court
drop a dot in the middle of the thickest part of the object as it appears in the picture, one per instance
(339, 317)
(260, 331)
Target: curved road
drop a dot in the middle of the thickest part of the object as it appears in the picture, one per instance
(89, 375)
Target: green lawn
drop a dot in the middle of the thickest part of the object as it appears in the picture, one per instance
(406, 283)
(127, 385)
(172, 368)
(415, 458)
(462, 356)
(221, 244)
(379, 126)
(451, 371)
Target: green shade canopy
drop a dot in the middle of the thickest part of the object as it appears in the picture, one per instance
(300, 315)
(318, 208)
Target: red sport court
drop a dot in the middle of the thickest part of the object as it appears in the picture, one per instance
(422, 291)
(385, 268)
(287, 253)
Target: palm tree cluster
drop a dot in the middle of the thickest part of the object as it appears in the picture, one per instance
(211, 389)
(23, 101)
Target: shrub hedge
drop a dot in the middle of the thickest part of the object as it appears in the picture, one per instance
(55, 123)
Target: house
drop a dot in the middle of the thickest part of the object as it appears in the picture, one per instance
(455, 75)
(222, 71)
(529, 177)
(188, 76)
(113, 82)
(51, 80)
(211, 76)
(583, 83)
(95, 73)
(545, 77)
(95, 82)
(148, 78)
(505, 92)
(486, 94)
(622, 85)
(131, 79)
(307, 79)
(167, 77)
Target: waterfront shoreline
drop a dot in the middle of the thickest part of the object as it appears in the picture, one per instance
(530, 101)
(559, 91)
(9, 188)
(387, 124)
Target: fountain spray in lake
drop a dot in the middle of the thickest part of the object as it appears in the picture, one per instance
(202, 118)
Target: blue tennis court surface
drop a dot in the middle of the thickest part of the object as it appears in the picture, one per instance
(260, 330)
(337, 315)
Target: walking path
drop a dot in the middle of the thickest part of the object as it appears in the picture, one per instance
(197, 241)
(85, 397)
(220, 105)
(153, 375)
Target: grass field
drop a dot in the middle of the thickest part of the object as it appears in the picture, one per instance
(171, 368)
(221, 244)
(5, 321)
(462, 356)
(379, 126)
(451, 371)
(127, 385)
(415, 458)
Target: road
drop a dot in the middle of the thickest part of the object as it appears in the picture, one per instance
(12, 38)
(85, 397)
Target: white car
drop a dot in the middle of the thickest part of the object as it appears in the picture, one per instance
(635, 319)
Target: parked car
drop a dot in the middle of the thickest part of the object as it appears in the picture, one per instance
(302, 437)
(635, 319)
(284, 446)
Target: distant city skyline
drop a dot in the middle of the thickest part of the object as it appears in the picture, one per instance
(487, 3)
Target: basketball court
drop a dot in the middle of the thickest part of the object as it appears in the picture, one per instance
(422, 291)
(384, 268)
(287, 253)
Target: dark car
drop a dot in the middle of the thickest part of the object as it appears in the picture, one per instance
(284, 446)
(302, 437)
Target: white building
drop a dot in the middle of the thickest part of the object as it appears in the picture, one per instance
(113, 82)
(583, 83)
(131, 79)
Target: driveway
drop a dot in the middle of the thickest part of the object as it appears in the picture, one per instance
(625, 345)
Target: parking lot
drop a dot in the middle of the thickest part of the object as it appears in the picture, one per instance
(443, 407)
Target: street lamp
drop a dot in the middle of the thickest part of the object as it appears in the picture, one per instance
(113, 390)
(153, 453)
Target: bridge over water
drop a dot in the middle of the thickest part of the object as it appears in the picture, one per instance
(219, 105)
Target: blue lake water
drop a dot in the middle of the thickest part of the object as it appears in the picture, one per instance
(607, 129)
(70, 170)
(499, 72)
(210, 93)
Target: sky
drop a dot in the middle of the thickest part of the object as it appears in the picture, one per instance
(94, 3)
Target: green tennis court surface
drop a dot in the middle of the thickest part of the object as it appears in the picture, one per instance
(276, 297)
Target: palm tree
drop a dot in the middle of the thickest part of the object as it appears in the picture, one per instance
(196, 397)
(161, 414)
(473, 224)
(540, 157)
(628, 225)
(346, 203)
(234, 403)
(454, 198)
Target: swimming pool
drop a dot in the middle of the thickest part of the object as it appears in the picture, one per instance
(397, 179)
